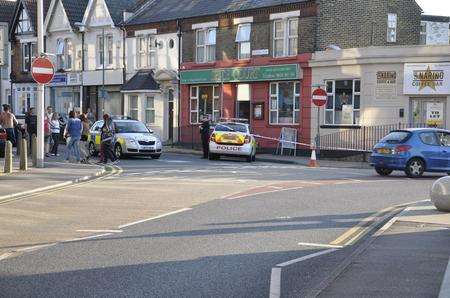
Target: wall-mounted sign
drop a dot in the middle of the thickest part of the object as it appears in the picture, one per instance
(435, 113)
(241, 74)
(262, 52)
(386, 84)
(59, 79)
(427, 78)
(258, 111)
(74, 79)
(347, 114)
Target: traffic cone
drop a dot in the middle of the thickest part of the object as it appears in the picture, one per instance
(313, 160)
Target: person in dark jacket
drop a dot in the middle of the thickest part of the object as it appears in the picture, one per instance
(204, 133)
(31, 125)
(107, 140)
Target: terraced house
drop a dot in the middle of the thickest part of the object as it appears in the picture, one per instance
(250, 59)
(6, 14)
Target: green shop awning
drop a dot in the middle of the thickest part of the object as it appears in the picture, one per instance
(241, 74)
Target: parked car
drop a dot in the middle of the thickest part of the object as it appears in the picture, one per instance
(415, 151)
(3, 139)
(232, 139)
(132, 138)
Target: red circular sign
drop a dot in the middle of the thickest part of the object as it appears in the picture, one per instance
(42, 70)
(319, 97)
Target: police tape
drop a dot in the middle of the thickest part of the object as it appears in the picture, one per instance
(309, 146)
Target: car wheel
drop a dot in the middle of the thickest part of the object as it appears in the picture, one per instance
(92, 150)
(118, 151)
(383, 171)
(156, 156)
(415, 168)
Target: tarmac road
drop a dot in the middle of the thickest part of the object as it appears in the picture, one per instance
(186, 227)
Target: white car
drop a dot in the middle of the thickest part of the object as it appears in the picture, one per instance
(232, 139)
(132, 138)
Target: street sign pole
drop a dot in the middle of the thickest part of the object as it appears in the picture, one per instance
(318, 133)
(319, 98)
(40, 89)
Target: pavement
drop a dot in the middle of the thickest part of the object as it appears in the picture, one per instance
(284, 159)
(407, 257)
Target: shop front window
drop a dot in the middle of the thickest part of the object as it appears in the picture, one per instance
(284, 103)
(133, 111)
(205, 102)
(343, 106)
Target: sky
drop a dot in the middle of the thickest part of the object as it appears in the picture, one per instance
(435, 7)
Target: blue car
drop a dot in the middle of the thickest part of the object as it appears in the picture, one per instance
(415, 151)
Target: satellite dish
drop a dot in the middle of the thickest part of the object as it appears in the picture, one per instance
(333, 47)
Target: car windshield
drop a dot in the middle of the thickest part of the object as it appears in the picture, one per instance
(396, 137)
(130, 127)
(231, 127)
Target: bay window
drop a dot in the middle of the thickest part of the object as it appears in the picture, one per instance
(133, 108)
(284, 103)
(285, 37)
(344, 102)
(64, 54)
(205, 102)
(60, 63)
(243, 41)
(150, 109)
(206, 45)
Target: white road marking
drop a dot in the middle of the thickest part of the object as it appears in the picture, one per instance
(275, 277)
(304, 258)
(320, 245)
(275, 283)
(153, 218)
(445, 287)
(100, 231)
(35, 247)
(89, 237)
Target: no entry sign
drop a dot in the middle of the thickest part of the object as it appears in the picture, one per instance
(319, 97)
(42, 70)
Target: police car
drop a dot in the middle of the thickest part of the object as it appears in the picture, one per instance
(232, 138)
(132, 138)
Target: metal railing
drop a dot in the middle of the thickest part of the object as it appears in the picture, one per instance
(361, 139)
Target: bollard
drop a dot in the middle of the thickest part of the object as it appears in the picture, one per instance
(8, 158)
(34, 150)
(23, 155)
(440, 194)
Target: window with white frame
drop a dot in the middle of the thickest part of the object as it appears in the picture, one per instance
(285, 37)
(64, 54)
(133, 107)
(205, 102)
(105, 51)
(243, 41)
(392, 27)
(284, 103)
(206, 45)
(68, 53)
(146, 52)
(344, 102)
(423, 33)
(150, 109)
(29, 52)
(23, 24)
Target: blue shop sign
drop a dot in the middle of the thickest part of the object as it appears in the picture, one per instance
(59, 79)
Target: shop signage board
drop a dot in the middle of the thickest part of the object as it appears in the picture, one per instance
(241, 74)
(427, 79)
(435, 113)
(386, 87)
(59, 79)
(347, 114)
(262, 52)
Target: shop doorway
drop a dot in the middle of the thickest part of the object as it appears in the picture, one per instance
(243, 102)
(428, 112)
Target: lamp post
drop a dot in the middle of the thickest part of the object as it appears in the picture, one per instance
(103, 71)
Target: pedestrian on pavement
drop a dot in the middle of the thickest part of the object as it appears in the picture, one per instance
(55, 129)
(8, 121)
(47, 134)
(72, 134)
(84, 139)
(90, 116)
(31, 125)
(107, 140)
(204, 133)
